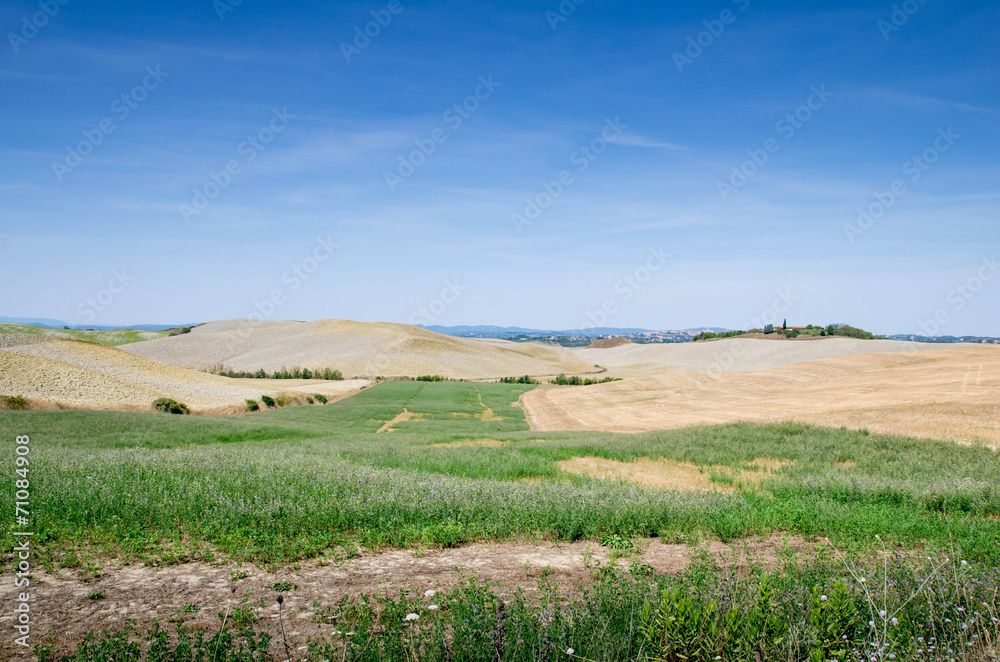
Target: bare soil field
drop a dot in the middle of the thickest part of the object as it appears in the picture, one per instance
(951, 393)
(739, 354)
(147, 593)
(80, 374)
(367, 349)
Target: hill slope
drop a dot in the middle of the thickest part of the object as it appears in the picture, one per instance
(356, 348)
(951, 393)
(733, 354)
(89, 375)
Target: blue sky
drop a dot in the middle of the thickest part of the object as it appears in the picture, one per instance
(99, 194)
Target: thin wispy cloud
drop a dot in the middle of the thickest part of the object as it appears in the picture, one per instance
(929, 103)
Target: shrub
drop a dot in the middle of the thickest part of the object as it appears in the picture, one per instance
(169, 406)
(252, 405)
(430, 378)
(792, 333)
(769, 329)
(267, 400)
(309, 400)
(320, 398)
(518, 380)
(332, 375)
(852, 332)
(575, 380)
(709, 335)
(13, 402)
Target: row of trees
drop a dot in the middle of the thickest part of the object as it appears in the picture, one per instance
(328, 374)
(845, 330)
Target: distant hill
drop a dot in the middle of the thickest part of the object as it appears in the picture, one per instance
(487, 331)
(59, 324)
(367, 349)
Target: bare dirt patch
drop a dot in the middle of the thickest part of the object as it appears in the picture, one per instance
(143, 593)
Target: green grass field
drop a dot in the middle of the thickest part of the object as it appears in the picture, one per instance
(108, 337)
(290, 483)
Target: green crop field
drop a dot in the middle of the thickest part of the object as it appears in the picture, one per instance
(288, 484)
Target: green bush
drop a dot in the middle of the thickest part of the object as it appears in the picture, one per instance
(852, 332)
(169, 406)
(575, 380)
(13, 402)
(309, 400)
(792, 333)
(267, 400)
(709, 335)
(320, 398)
(430, 378)
(252, 405)
(769, 329)
(332, 375)
(518, 380)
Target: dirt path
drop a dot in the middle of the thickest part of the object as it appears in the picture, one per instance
(398, 418)
(62, 606)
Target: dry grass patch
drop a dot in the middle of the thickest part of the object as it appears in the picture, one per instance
(670, 474)
(661, 473)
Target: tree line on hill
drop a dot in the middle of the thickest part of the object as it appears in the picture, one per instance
(842, 330)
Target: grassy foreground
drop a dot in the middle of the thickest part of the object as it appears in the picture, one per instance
(296, 482)
(291, 483)
(941, 609)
